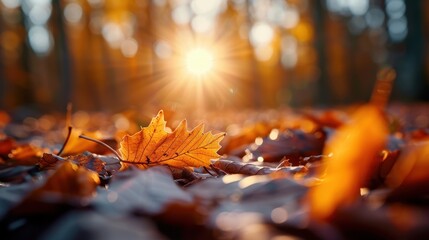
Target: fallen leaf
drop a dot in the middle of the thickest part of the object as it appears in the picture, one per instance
(69, 181)
(291, 144)
(148, 191)
(7, 145)
(153, 145)
(353, 150)
(69, 185)
(27, 154)
(234, 167)
(246, 136)
(234, 202)
(409, 176)
(76, 145)
(103, 165)
(386, 159)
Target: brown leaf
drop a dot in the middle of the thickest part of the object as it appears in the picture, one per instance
(6, 146)
(409, 176)
(148, 191)
(234, 167)
(386, 159)
(153, 146)
(246, 136)
(88, 160)
(236, 201)
(291, 144)
(27, 154)
(49, 161)
(69, 185)
(69, 181)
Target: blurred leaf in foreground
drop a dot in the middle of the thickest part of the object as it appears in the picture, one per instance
(409, 176)
(353, 150)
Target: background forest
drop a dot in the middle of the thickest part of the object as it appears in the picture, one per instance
(114, 55)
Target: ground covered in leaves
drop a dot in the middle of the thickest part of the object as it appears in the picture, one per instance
(346, 173)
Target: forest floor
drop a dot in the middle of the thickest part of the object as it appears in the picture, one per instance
(340, 173)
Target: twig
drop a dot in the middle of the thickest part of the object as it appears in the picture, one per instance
(205, 168)
(69, 114)
(65, 141)
(103, 144)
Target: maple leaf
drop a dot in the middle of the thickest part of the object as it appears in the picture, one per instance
(153, 145)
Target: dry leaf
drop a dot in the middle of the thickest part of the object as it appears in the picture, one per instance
(386, 160)
(103, 165)
(291, 144)
(6, 146)
(148, 191)
(26, 155)
(246, 136)
(68, 185)
(76, 145)
(153, 146)
(409, 176)
(234, 167)
(353, 149)
(69, 181)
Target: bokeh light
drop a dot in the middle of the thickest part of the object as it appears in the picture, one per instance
(73, 12)
(40, 39)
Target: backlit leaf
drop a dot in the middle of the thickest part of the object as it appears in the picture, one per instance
(76, 145)
(153, 145)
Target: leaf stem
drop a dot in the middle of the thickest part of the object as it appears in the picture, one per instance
(103, 144)
(65, 141)
(205, 168)
(383, 87)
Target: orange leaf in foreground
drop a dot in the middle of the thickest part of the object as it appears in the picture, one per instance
(69, 181)
(153, 146)
(409, 176)
(354, 149)
(26, 155)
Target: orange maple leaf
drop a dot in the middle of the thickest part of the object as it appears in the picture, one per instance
(153, 145)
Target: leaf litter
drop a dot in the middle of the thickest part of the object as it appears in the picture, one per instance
(333, 174)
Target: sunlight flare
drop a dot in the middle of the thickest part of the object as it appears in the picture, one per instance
(199, 61)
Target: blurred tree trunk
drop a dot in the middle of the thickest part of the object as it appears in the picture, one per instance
(63, 95)
(324, 92)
